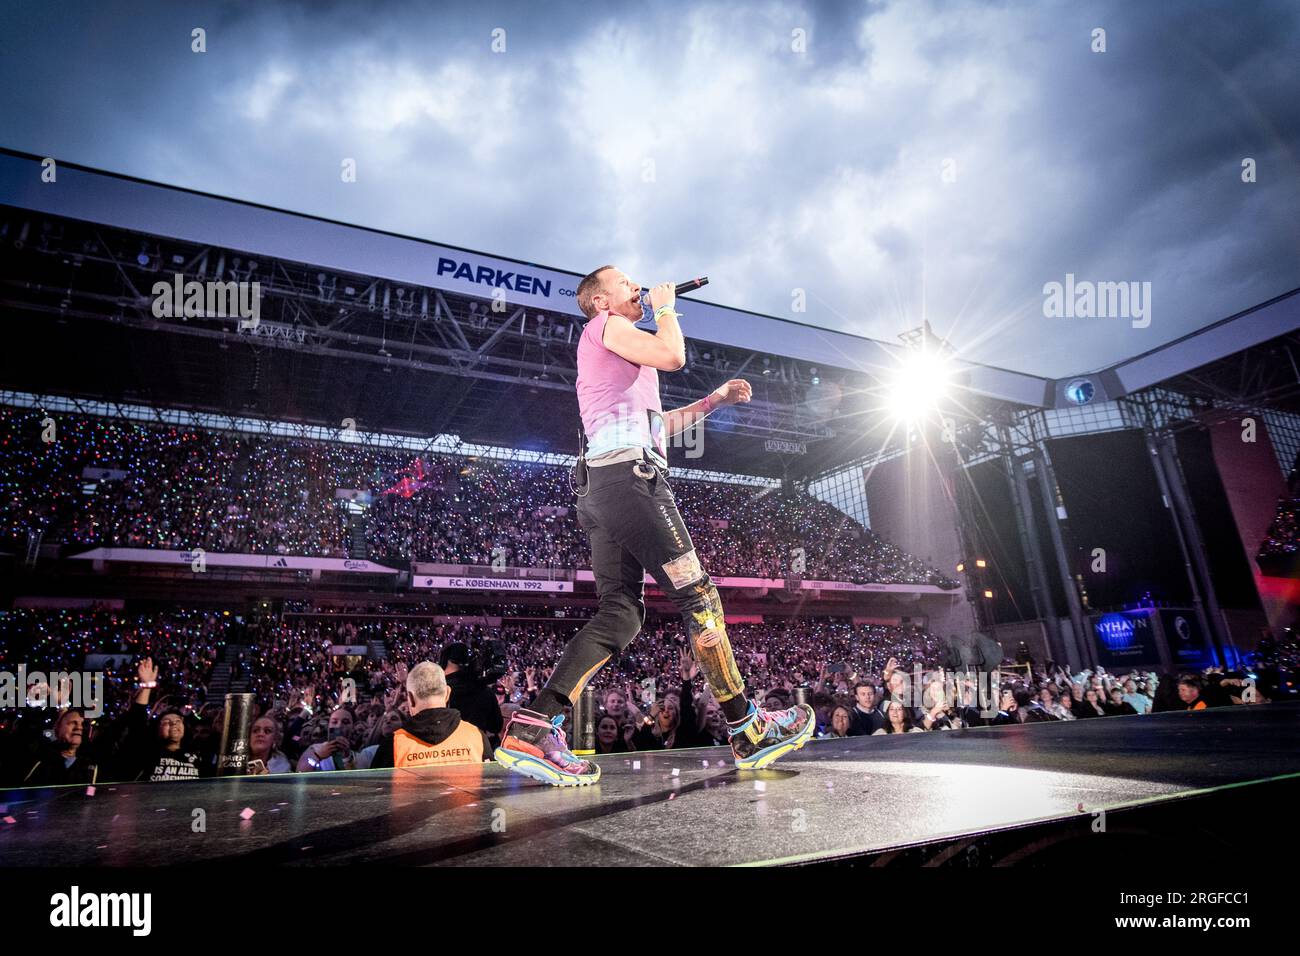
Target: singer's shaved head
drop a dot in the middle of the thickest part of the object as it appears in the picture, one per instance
(592, 283)
(618, 294)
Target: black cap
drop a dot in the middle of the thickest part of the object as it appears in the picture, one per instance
(457, 654)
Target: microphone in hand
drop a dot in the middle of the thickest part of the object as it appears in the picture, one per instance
(681, 288)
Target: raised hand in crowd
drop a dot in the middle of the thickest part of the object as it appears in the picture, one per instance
(688, 666)
(146, 680)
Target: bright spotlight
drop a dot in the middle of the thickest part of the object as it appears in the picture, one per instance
(918, 385)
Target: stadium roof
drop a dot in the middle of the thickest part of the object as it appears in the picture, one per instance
(402, 327)
(154, 209)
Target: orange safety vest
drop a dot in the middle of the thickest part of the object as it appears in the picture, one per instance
(465, 745)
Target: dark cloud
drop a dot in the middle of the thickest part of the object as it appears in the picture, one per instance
(680, 137)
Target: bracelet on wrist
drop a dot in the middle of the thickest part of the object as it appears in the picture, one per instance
(146, 685)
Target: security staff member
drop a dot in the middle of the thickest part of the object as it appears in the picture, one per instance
(432, 734)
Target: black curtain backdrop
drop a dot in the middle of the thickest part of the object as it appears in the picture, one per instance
(1113, 502)
(991, 520)
(1233, 584)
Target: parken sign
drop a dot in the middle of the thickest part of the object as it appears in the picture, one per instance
(493, 278)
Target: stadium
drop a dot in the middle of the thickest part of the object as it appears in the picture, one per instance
(257, 466)
(370, 525)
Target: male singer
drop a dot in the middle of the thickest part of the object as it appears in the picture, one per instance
(626, 507)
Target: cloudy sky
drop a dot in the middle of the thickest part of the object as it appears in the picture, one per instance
(772, 146)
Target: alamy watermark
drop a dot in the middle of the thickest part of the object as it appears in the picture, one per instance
(81, 909)
(195, 300)
(81, 689)
(1098, 300)
(627, 427)
(924, 690)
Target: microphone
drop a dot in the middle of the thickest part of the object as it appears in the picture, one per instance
(681, 289)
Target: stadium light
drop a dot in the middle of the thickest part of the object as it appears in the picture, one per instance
(918, 386)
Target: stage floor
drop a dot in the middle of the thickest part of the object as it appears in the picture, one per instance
(834, 798)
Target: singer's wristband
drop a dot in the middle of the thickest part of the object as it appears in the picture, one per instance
(708, 403)
(665, 308)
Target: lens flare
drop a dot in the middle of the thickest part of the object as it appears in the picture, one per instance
(918, 386)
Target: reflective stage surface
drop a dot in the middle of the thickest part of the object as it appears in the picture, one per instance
(832, 799)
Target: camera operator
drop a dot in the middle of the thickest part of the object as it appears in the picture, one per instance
(471, 693)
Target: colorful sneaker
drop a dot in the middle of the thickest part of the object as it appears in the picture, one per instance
(762, 736)
(534, 745)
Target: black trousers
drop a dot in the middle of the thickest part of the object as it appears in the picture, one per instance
(630, 516)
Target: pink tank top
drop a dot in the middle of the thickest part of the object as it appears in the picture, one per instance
(617, 399)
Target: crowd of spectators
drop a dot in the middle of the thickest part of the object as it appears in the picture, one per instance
(86, 480)
(1283, 536)
(320, 710)
(1281, 545)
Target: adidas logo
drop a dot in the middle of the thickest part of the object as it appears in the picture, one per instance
(281, 564)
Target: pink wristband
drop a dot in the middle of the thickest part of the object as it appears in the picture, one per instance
(708, 402)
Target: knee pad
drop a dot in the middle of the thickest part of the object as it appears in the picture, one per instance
(708, 633)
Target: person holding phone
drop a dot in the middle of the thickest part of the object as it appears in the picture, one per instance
(264, 746)
(335, 752)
